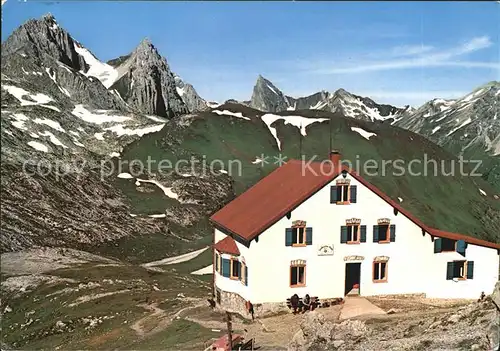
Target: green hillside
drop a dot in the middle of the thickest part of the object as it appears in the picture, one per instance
(448, 202)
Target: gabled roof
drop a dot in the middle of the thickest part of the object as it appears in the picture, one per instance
(227, 245)
(288, 186)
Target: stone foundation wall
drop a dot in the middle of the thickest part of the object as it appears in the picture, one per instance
(234, 303)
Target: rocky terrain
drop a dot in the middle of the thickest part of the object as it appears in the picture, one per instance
(267, 97)
(62, 136)
(471, 327)
(467, 127)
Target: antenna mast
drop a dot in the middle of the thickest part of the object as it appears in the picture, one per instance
(300, 141)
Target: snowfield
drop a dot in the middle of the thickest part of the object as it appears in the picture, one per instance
(363, 133)
(102, 71)
(297, 121)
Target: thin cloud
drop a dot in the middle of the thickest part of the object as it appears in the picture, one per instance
(425, 56)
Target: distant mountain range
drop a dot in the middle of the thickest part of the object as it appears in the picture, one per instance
(62, 105)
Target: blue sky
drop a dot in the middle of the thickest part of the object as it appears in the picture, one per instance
(395, 52)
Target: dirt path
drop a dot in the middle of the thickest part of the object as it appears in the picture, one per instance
(158, 319)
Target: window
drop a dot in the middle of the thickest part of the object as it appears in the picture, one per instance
(297, 275)
(460, 270)
(380, 272)
(217, 263)
(384, 232)
(343, 193)
(448, 245)
(299, 236)
(235, 269)
(353, 234)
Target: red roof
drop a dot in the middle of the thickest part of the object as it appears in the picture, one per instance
(288, 186)
(227, 245)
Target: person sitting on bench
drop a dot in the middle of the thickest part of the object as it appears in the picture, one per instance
(306, 301)
(294, 301)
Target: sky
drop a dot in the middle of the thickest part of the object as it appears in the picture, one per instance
(402, 53)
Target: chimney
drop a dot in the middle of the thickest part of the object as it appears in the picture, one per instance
(335, 157)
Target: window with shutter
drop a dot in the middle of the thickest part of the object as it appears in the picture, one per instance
(226, 267)
(460, 270)
(354, 194)
(375, 233)
(235, 269)
(380, 271)
(438, 246)
(343, 234)
(343, 193)
(299, 235)
(217, 263)
(363, 233)
(461, 245)
(392, 230)
(309, 236)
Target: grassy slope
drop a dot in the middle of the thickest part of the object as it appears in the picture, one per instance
(117, 312)
(428, 197)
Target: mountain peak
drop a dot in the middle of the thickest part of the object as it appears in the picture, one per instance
(49, 17)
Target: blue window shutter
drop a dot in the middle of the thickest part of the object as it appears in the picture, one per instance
(392, 229)
(288, 237)
(333, 195)
(375, 233)
(437, 245)
(343, 234)
(449, 270)
(309, 236)
(470, 269)
(354, 191)
(461, 247)
(246, 275)
(217, 262)
(239, 269)
(363, 234)
(226, 267)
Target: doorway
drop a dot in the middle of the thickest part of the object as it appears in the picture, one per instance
(352, 278)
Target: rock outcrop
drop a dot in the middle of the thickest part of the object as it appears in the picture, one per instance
(146, 83)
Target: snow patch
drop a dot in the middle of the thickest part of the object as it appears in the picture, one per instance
(176, 259)
(114, 154)
(482, 192)
(363, 133)
(157, 119)
(18, 93)
(125, 176)
(297, 121)
(435, 129)
(256, 161)
(120, 130)
(270, 88)
(51, 108)
(77, 143)
(99, 136)
(400, 199)
(167, 191)
(180, 91)
(19, 122)
(229, 113)
(162, 215)
(467, 121)
(48, 122)
(102, 71)
(38, 146)
(98, 118)
(53, 77)
(53, 139)
(205, 270)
